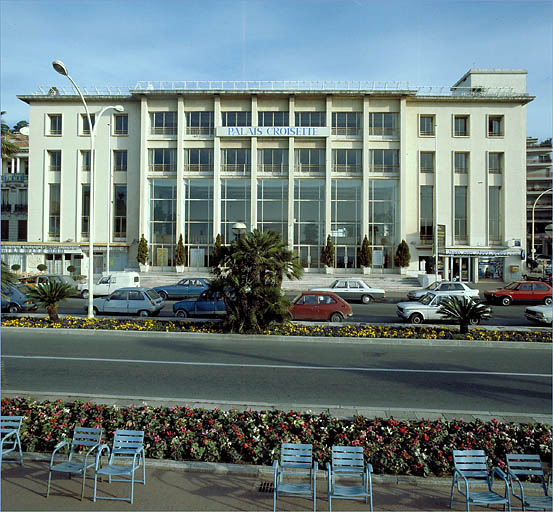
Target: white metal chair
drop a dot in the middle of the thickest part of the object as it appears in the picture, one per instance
(471, 469)
(126, 457)
(296, 475)
(526, 474)
(348, 477)
(9, 437)
(80, 458)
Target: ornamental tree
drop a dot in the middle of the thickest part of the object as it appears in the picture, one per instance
(402, 257)
(49, 294)
(327, 255)
(464, 311)
(218, 251)
(142, 255)
(180, 253)
(366, 255)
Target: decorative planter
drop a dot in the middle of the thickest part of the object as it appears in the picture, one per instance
(366, 270)
(179, 268)
(329, 270)
(143, 268)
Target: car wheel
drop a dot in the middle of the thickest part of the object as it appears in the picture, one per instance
(143, 312)
(163, 295)
(366, 299)
(506, 301)
(84, 294)
(13, 308)
(181, 313)
(547, 301)
(336, 317)
(474, 321)
(524, 277)
(416, 318)
(95, 310)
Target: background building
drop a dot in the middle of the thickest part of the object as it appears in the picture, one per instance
(306, 159)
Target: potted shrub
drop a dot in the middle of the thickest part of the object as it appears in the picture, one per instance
(142, 256)
(180, 256)
(366, 256)
(16, 267)
(71, 269)
(327, 256)
(41, 268)
(402, 257)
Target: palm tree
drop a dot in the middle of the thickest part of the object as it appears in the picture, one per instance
(8, 277)
(49, 294)
(8, 147)
(465, 311)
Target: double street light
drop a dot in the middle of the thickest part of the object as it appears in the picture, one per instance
(62, 70)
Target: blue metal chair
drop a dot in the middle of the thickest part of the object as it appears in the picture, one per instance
(126, 457)
(525, 474)
(471, 469)
(9, 437)
(348, 477)
(85, 441)
(296, 475)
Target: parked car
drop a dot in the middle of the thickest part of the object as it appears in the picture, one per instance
(425, 309)
(539, 314)
(452, 287)
(207, 304)
(188, 287)
(32, 281)
(15, 301)
(353, 289)
(523, 291)
(134, 301)
(320, 305)
(108, 283)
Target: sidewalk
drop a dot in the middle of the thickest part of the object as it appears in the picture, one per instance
(188, 486)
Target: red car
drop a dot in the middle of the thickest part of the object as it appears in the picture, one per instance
(523, 291)
(320, 306)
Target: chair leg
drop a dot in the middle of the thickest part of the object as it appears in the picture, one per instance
(274, 499)
(132, 486)
(82, 488)
(94, 493)
(48, 488)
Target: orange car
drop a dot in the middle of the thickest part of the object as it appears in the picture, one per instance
(324, 306)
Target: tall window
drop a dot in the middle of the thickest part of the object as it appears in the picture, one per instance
(55, 160)
(461, 126)
(272, 161)
(273, 118)
(460, 213)
(163, 201)
(21, 200)
(383, 123)
(495, 126)
(426, 161)
(199, 123)
(55, 124)
(346, 161)
(310, 118)
(272, 206)
(120, 160)
(426, 212)
(198, 217)
(235, 160)
(163, 160)
(309, 215)
(85, 210)
(383, 214)
(495, 163)
(235, 205)
(120, 212)
(426, 125)
(121, 122)
(85, 160)
(22, 230)
(461, 163)
(236, 118)
(384, 161)
(198, 160)
(310, 161)
(84, 123)
(54, 215)
(494, 214)
(346, 123)
(346, 220)
(5, 229)
(163, 123)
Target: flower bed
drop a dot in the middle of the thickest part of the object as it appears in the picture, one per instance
(251, 437)
(285, 329)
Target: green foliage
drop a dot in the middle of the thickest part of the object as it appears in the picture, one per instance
(366, 255)
(8, 277)
(403, 256)
(218, 251)
(16, 267)
(42, 267)
(249, 277)
(464, 311)
(49, 294)
(180, 254)
(142, 255)
(327, 255)
(71, 269)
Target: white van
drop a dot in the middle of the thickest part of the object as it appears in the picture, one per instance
(111, 282)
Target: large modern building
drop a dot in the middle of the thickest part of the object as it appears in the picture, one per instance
(306, 159)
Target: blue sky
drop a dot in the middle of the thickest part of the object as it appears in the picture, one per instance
(425, 42)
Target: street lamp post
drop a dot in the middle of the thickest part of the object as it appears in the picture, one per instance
(62, 70)
(239, 228)
(533, 249)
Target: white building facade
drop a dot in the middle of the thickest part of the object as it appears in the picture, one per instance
(304, 159)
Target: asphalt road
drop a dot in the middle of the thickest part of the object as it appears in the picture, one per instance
(269, 370)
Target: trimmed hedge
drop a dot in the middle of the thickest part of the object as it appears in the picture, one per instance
(394, 447)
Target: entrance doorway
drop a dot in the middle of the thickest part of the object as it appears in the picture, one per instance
(309, 256)
(460, 269)
(346, 257)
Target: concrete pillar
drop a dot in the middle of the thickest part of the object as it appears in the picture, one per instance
(180, 213)
(217, 169)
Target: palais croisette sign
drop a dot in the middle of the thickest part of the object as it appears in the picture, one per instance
(273, 131)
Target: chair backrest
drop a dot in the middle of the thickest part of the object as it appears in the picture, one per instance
(84, 438)
(348, 459)
(9, 424)
(296, 456)
(125, 444)
(471, 463)
(525, 465)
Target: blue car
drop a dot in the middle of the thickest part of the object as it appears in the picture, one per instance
(188, 287)
(15, 301)
(206, 305)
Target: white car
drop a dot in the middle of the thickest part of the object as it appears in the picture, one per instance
(353, 289)
(451, 287)
(539, 314)
(108, 283)
(425, 309)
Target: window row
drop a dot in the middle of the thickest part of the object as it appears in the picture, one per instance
(461, 162)
(119, 124)
(495, 125)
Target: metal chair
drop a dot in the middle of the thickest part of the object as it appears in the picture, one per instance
(522, 468)
(126, 457)
(296, 475)
(9, 437)
(471, 468)
(84, 442)
(348, 468)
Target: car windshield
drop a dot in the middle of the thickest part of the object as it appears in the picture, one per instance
(427, 298)
(511, 286)
(433, 286)
(152, 294)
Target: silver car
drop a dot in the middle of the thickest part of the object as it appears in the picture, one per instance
(451, 287)
(130, 301)
(353, 289)
(539, 314)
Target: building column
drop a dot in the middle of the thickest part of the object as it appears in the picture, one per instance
(253, 183)
(180, 213)
(365, 161)
(328, 171)
(291, 173)
(402, 206)
(217, 169)
(144, 203)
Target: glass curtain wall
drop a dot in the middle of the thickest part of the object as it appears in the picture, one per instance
(461, 214)
(235, 206)
(309, 214)
(383, 219)
(272, 206)
(346, 221)
(198, 214)
(54, 217)
(163, 202)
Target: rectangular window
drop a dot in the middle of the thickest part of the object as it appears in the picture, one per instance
(346, 123)
(272, 161)
(199, 123)
(84, 123)
(54, 215)
(163, 160)
(426, 212)
(120, 160)
(383, 220)
(22, 230)
(346, 216)
(427, 161)
(163, 212)
(6, 205)
(384, 161)
(272, 206)
(495, 126)
(494, 214)
(54, 158)
(461, 163)
(85, 160)
(310, 118)
(383, 123)
(272, 118)
(198, 217)
(85, 210)
(5, 229)
(460, 214)
(309, 215)
(120, 212)
(121, 122)
(22, 201)
(347, 161)
(426, 125)
(310, 161)
(235, 160)
(461, 126)
(495, 163)
(198, 160)
(163, 123)
(236, 118)
(235, 205)
(55, 124)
